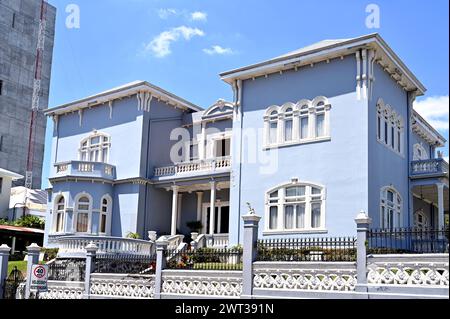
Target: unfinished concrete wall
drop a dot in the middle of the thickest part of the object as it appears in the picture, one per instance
(19, 26)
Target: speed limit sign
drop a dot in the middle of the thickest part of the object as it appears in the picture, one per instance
(39, 275)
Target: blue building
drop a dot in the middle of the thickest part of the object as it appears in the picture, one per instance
(310, 139)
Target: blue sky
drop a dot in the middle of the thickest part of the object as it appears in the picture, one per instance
(183, 45)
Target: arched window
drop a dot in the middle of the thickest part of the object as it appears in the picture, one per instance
(273, 127)
(390, 208)
(419, 152)
(295, 207)
(95, 148)
(288, 124)
(105, 215)
(304, 121)
(83, 214)
(60, 209)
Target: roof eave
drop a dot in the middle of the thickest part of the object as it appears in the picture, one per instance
(102, 98)
(279, 63)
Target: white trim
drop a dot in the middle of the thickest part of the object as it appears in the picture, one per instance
(100, 147)
(55, 214)
(387, 115)
(419, 157)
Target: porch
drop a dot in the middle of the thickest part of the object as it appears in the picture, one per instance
(430, 201)
(192, 205)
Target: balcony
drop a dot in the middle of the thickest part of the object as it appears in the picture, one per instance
(436, 167)
(217, 165)
(85, 169)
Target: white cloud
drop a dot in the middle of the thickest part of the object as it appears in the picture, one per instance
(199, 16)
(160, 45)
(435, 110)
(166, 13)
(217, 49)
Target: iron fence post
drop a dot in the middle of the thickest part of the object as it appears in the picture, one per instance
(32, 259)
(363, 222)
(91, 252)
(4, 257)
(251, 223)
(161, 247)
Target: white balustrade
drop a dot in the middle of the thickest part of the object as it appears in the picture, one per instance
(61, 168)
(85, 167)
(75, 245)
(192, 167)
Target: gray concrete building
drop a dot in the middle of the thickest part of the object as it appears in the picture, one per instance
(19, 29)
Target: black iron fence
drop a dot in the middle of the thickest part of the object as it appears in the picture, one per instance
(407, 240)
(125, 264)
(307, 249)
(67, 270)
(204, 259)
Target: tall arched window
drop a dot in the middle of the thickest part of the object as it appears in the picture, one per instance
(95, 148)
(390, 131)
(105, 215)
(304, 121)
(83, 214)
(60, 210)
(288, 124)
(273, 127)
(295, 207)
(390, 208)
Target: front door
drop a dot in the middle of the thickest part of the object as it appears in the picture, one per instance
(221, 218)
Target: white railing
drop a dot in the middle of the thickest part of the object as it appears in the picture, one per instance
(109, 170)
(193, 167)
(85, 167)
(430, 166)
(217, 241)
(174, 241)
(61, 168)
(72, 246)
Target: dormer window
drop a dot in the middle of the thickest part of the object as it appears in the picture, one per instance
(95, 148)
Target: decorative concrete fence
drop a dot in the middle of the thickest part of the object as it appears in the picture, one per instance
(201, 284)
(63, 290)
(281, 269)
(120, 286)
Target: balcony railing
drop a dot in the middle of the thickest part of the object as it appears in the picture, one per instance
(211, 165)
(430, 167)
(75, 246)
(85, 169)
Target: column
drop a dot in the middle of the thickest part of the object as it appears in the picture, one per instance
(440, 189)
(363, 222)
(312, 122)
(251, 222)
(91, 251)
(202, 149)
(32, 259)
(13, 245)
(161, 246)
(199, 205)
(4, 257)
(212, 212)
(174, 210)
(180, 198)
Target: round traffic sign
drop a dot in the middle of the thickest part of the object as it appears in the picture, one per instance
(39, 272)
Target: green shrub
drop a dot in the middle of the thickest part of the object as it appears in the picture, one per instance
(49, 253)
(30, 222)
(133, 235)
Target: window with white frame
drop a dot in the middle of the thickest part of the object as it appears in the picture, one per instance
(390, 128)
(303, 122)
(95, 148)
(295, 207)
(390, 208)
(59, 215)
(82, 214)
(105, 215)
